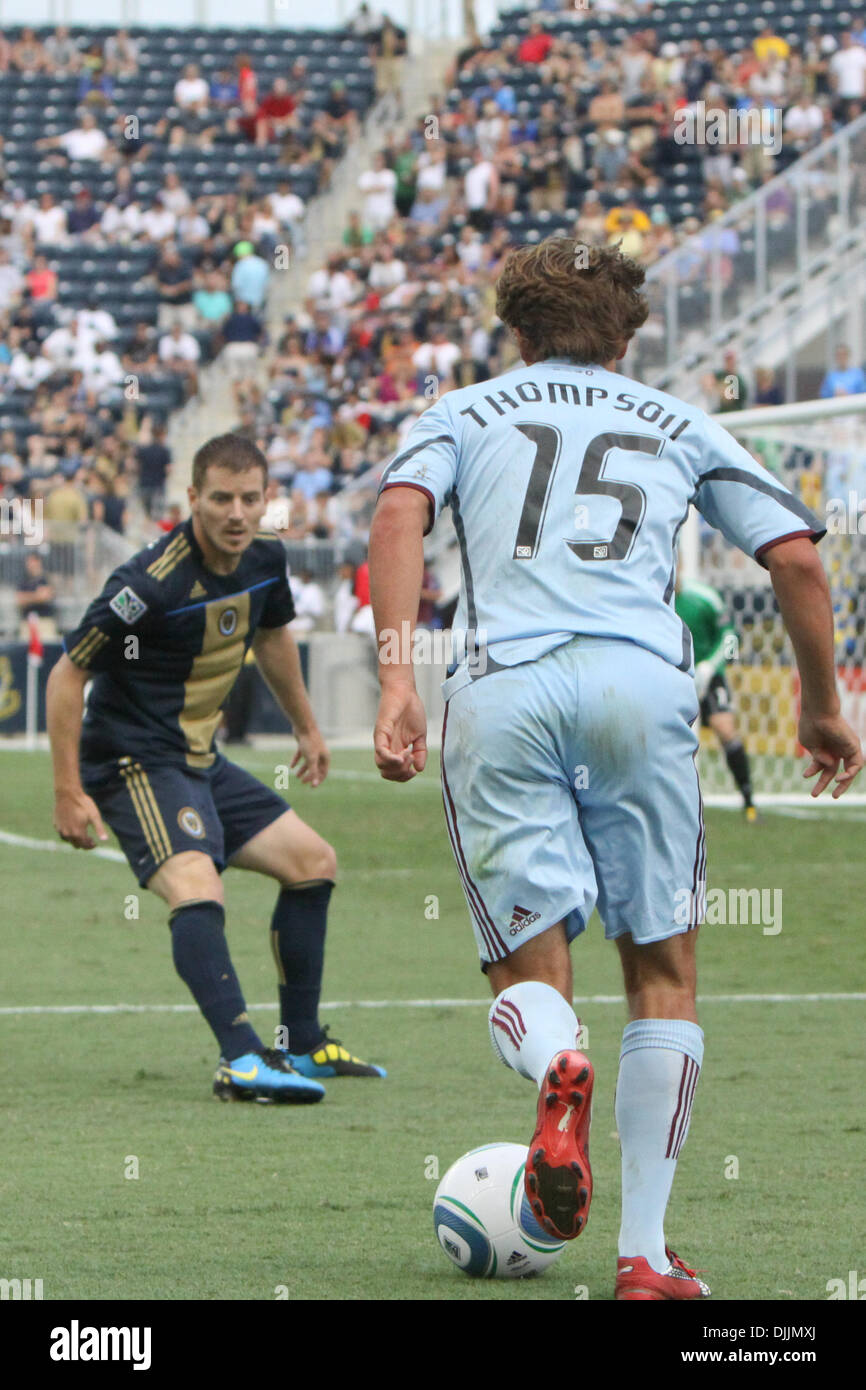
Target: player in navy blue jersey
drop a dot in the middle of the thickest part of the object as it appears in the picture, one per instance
(163, 645)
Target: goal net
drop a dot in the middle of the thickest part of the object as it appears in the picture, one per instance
(818, 449)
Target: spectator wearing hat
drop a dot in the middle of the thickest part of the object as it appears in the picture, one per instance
(250, 276)
(84, 217)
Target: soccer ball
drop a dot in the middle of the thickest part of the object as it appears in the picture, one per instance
(483, 1220)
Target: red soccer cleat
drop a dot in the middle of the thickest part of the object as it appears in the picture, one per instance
(558, 1179)
(638, 1282)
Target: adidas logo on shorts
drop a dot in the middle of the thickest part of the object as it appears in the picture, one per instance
(521, 918)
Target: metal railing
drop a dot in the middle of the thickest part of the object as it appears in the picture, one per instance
(738, 267)
(77, 556)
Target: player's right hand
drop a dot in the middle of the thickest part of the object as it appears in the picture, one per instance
(74, 814)
(830, 740)
(400, 735)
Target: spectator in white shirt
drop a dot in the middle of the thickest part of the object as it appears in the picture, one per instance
(432, 169)
(105, 370)
(387, 271)
(470, 249)
(86, 141)
(490, 130)
(18, 212)
(11, 280)
(480, 188)
(191, 89)
(49, 221)
(309, 602)
(158, 223)
(29, 367)
(804, 123)
(173, 194)
(61, 346)
(438, 355)
(192, 228)
(121, 222)
(848, 69)
(179, 351)
(99, 322)
(379, 186)
(287, 207)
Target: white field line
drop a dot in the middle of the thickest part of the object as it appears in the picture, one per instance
(115, 855)
(14, 1010)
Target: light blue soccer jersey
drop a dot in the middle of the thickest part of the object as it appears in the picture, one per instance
(568, 486)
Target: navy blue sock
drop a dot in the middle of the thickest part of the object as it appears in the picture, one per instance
(201, 957)
(298, 941)
(738, 762)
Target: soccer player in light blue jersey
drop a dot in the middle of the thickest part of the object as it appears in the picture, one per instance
(568, 746)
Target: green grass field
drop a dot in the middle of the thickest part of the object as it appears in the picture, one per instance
(334, 1201)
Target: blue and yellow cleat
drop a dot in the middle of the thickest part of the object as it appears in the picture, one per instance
(330, 1058)
(266, 1077)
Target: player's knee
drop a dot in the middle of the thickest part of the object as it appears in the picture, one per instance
(186, 878)
(327, 861)
(318, 861)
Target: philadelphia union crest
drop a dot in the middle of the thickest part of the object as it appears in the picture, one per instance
(228, 621)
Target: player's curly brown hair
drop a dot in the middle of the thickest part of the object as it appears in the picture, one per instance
(572, 300)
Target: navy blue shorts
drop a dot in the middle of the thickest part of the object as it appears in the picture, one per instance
(157, 810)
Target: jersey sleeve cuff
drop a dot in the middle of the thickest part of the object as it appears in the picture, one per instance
(811, 534)
(399, 482)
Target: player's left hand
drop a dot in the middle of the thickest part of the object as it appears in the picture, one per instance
(312, 758)
(830, 740)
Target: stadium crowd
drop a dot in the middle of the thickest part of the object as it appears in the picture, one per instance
(86, 389)
(406, 308)
(577, 134)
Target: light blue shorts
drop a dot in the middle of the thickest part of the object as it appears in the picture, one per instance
(571, 780)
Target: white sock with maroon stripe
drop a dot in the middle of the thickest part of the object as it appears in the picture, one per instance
(659, 1067)
(529, 1023)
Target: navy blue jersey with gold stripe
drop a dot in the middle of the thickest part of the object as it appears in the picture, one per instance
(165, 641)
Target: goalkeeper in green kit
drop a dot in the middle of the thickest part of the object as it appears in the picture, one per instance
(703, 612)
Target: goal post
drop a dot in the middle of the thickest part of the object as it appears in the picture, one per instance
(818, 450)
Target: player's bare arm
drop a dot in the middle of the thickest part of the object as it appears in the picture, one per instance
(396, 572)
(804, 598)
(278, 660)
(74, 811)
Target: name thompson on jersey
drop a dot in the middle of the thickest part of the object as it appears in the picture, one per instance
(589, 468)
